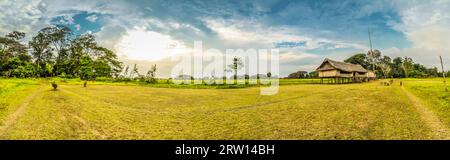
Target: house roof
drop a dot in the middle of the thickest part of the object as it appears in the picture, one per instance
(348, 67)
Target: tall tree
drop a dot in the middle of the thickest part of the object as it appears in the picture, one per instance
(134, 71)
(106, 63)
(397, 70)
(13, 55)
(55, 52)
(235, 66)
(385, 68)
(86, 71)
(385, 65)
(125, 72)
(42, 52)
(407, 65)
(373, 56)
(151, 74)
(59, 37)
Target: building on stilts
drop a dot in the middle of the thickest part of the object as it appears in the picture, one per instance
(331, 71)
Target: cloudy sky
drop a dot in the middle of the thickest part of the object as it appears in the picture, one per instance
(306, 32)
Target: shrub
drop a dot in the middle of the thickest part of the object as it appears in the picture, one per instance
(54, 85)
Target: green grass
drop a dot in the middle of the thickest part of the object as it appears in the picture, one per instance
(191, 84)
(106, 110)
(12, 93)
(432, 92)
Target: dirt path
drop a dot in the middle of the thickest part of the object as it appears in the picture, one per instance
(439, 130)
(20, 110)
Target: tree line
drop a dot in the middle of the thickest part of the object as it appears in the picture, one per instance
(398, 67)
(56, 51)
(384, 66)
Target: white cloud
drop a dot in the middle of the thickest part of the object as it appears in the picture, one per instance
(426, 25)
(21, 15)
(248, 32)
(245, 32)
(427, 57)
(67, 19)
(295, 56)
(435, 38)
(92, 18)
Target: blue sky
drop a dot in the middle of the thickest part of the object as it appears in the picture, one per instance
(305, 31)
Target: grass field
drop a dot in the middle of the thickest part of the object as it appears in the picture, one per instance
(30, 109)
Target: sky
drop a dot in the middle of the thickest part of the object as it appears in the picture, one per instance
(305, 31)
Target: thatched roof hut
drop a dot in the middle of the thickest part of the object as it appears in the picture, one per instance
(335, 69)
(329, 64)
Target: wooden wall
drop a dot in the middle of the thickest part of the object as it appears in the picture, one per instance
(329, 73)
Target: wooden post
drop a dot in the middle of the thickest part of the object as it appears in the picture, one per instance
(443, 74)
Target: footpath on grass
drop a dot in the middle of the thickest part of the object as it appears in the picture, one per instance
(13, 117)
(439, 130)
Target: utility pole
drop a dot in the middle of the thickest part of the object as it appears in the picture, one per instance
(443, 74)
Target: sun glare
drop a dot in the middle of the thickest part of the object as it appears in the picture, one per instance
(140, 44)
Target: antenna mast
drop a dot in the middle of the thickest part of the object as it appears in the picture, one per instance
(370, 39)
(371, 52)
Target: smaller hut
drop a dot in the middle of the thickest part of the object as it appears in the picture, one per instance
(341, 72)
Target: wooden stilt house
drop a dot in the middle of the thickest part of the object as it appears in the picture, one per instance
(341, 72)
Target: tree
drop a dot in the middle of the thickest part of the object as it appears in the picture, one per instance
(407, 65)
(125, 73)
(101, 68)
(298, 74)
(235, 66)
(373, 56)
(59, 40)
(385, 68)
(11, 44)
(313, 74)
(79, 47)
(385, 65)
(41, 51)
(86, 68)
(13, 54)
(107, 61)
(55, 52)
(360, 59)
(151, 74)
(134, 71)
(397, 70)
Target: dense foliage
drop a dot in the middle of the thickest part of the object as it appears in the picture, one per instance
(54, 51)
(398, 67)
(384, 67)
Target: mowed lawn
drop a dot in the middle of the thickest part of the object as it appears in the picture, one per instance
(33, 110)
